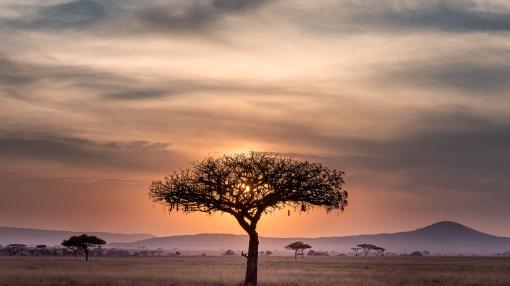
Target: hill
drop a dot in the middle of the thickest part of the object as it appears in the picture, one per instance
(447, 238)
(30, 236)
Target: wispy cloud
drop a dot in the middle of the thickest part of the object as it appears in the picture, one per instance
(480, 72)
(81, 153)
(402, 16)
(114, 16)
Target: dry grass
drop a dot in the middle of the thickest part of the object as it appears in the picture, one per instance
(276, 271)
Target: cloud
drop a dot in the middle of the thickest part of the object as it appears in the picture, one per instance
(136, 94)
(13, 72)
(454, 152)
(470, 78)
(476, 72)
(16, 77)
(82, 154)
(448, 15)
(405, 15)
(113, 17)
(118, 16)
(193, 14)
(10, 74)
(451, 151)
(73, 14)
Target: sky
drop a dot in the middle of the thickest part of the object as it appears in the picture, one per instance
(100, 97)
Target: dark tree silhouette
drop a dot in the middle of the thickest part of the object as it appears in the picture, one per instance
(229, 252)
(298, 247)
(69, 245)
(14, 248)
(367, 248)
(83, 242)
(356, 250)
(248, 185)
(379, 251)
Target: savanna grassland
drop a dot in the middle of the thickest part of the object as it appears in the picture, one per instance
(277, 271)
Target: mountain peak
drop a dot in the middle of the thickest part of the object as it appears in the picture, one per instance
(446, 224)
(450, 229)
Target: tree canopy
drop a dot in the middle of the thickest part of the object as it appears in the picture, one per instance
(298, 247)
(248, 186)
(368, 247)
(83, 242)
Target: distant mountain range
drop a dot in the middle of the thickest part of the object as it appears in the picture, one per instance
(441, 238)
(30, 236)
(447, 238)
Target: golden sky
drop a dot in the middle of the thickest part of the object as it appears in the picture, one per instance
(409, 98)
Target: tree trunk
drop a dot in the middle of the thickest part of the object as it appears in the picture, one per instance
(253, 255)
(86, 254)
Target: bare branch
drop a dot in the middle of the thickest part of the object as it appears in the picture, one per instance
(249, 185)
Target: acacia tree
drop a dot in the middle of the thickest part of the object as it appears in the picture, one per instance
(83, 242)
(67, 243)
(247, 186)
(299, 248)
(356, 250)
(366, 248)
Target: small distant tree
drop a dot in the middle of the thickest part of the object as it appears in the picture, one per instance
(367, 248)
(83, 242)
(317, 253)
(229, 252)
(379, 251)
(356, 250)
(416, 253)
(269, 253)
(298, 247)
(70, 245)
(14, 248)
(247, 186)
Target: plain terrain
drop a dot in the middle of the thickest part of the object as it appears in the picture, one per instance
(44, 271)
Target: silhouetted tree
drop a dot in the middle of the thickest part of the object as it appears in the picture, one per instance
(83, 242)
(14, 248)
(229, 252)
(367, 247)
(70, 245)
(298, 247)
(356, 250)
(379, 251)
(247, 186)
(317, 253)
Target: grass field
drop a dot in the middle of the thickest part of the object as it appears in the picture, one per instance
(209, 271)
